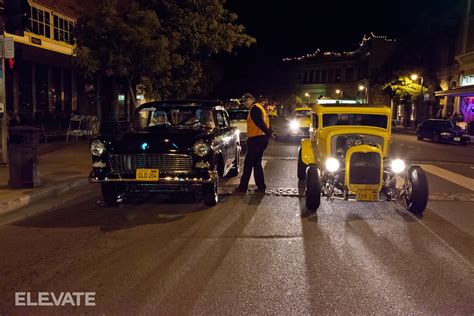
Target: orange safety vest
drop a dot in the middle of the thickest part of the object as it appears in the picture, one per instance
(252, 129)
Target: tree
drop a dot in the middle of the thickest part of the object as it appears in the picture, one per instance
(163, 43)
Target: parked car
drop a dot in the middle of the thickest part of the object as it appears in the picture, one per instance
(174, 146)
(442, 131)
(347, 157)
(299, 122)
(238, 119)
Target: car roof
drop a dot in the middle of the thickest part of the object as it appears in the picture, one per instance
(352, 108)
(186, 102)
(237, 110)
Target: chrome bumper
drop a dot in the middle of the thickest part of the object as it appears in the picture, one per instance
(166, 180)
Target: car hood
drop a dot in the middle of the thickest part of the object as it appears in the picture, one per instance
(455, 131)
(158, 140)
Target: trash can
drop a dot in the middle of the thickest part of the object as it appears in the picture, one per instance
(470, 128)
(23, 156)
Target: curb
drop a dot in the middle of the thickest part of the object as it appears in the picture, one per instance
(42, 194)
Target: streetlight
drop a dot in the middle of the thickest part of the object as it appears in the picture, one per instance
(414, 77)
(308, 96)
(340, 92)
(362, 88)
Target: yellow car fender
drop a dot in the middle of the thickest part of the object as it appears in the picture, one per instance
(307, 153)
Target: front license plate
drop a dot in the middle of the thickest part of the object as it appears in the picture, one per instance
(457, 139)
(366, 195)
(147, 174)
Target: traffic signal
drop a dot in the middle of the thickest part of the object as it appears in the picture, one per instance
(16, 16)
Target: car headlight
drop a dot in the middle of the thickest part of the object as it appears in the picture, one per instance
(294, 125)
(97, 147)
(332, 164)
(445, 134)
(398, 165)
(201, 148)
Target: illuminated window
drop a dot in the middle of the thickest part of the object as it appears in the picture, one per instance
(40, 22)
(63, 29)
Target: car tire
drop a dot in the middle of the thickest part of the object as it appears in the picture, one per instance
(417, 189)
(301, 165)
(436, 138)
(112, 193)
(419, 136)
(210, 194)
(313, 188)
(234, 171)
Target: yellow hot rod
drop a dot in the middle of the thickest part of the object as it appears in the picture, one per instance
(347, 157)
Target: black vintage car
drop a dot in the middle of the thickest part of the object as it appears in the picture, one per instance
(442, 131)
(173, 146)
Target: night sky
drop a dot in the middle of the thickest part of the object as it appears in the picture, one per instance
(296, 27)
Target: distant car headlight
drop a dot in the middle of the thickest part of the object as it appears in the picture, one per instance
(444, 134)
(294, 125)
(398, 165)
(332, 164)
(201, 148)
(97, 147)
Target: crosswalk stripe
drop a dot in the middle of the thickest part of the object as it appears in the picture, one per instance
(236, 180)
(458, 179)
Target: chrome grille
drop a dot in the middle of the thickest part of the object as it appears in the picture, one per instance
(365, 168)
(166, 163)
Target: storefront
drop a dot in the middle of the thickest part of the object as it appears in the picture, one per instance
(464, 102)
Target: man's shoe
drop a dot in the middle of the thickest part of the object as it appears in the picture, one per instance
(258, 190)
(239, 190)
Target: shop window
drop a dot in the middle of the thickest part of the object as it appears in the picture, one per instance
(63, 30)
(350, 74)
(324, 76)
(40, 23)
(337, 75)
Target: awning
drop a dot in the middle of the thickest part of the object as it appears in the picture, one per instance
(457, 92)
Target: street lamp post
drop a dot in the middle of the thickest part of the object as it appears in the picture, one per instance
(308, 96)
(414, 77)
(362, 88)
(340, 93)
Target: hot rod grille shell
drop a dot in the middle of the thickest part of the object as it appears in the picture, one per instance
(165, 163)
(365, 168)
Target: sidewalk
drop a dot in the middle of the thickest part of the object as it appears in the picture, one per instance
(62, 167)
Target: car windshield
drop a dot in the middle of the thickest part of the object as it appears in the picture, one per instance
(373, 120)
(443, 124)
(186, 116)
(238, 115)
(302, 113)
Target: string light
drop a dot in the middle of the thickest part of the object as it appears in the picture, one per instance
(366, 38)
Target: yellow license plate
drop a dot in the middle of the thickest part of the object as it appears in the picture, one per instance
(367, 195)
(147, 174)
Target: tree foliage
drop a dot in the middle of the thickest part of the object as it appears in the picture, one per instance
(164, 43)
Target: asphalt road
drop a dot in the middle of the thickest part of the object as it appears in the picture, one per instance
(253, 254)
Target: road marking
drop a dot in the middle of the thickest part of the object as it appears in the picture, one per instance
(458, 179)
(236, 180)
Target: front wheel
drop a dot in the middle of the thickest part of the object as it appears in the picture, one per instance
(210, 195)
(419, 137)
(301, 165)
(112, 193)
(313, 188)
(416, 190)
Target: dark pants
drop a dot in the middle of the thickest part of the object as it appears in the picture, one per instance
(255, 148)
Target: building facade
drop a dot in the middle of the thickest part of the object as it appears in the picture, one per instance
(344, 75)
(456, 78)
(41, 79)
